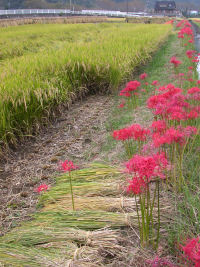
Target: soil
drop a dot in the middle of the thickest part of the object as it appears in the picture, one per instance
(36, 162)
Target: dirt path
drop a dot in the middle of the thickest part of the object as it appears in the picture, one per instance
(37, 161)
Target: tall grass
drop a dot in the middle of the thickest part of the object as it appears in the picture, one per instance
(32, 85)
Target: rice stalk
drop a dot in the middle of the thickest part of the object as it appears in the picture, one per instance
(42, 75)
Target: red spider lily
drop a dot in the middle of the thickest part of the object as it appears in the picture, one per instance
(148, 167)
(193, 114)
(162, 88)
(143, 76)
(122, 134)
(169, 137)
(169, 103)
(121, 105)
(135, 131)
(178, 115)
(190, 67)
(190, 53)
(132, 86)
(180, 36)
(155, 82)
(175, 61)
(180, 23)
(192, 251)
(194, 90)
(154, 100)
(145, 168)
(42, 187)
(136, 186)
(139, 133)
(173, 135)
(159, 126)
(125, 92)
(198, 82)
(186, 30)
(68, 166)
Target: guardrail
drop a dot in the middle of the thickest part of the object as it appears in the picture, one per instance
(22, 12)
(34, 11)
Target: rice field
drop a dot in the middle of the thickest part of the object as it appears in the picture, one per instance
(43, 66)
(52, 20)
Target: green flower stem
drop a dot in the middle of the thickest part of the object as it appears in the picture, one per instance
(181, 179)
(151, 213)
(138, 216)
(174, 166)
(148, 214)
(72, 195)
(158, 230)
(142, 207)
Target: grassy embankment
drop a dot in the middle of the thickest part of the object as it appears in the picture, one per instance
(187, 221)
(94, 58)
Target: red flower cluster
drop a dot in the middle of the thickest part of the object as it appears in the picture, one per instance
(192, 251)
(159, 126)
(135, 131)
(132, 86)
(169, 137)
(172, 104)
(147, 167)
(42, 187)
(185, 30)
(136, 186)
(173, 135)
(175, 61)
(190, 53)
(67, 166)
(143, 76)
(193, 90)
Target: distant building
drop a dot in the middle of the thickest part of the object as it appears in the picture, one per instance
(193, 13)
(165, 7)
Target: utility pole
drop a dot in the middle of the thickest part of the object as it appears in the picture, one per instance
(70, 4)
(147, 6)
(9, 4)
(127, 7)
